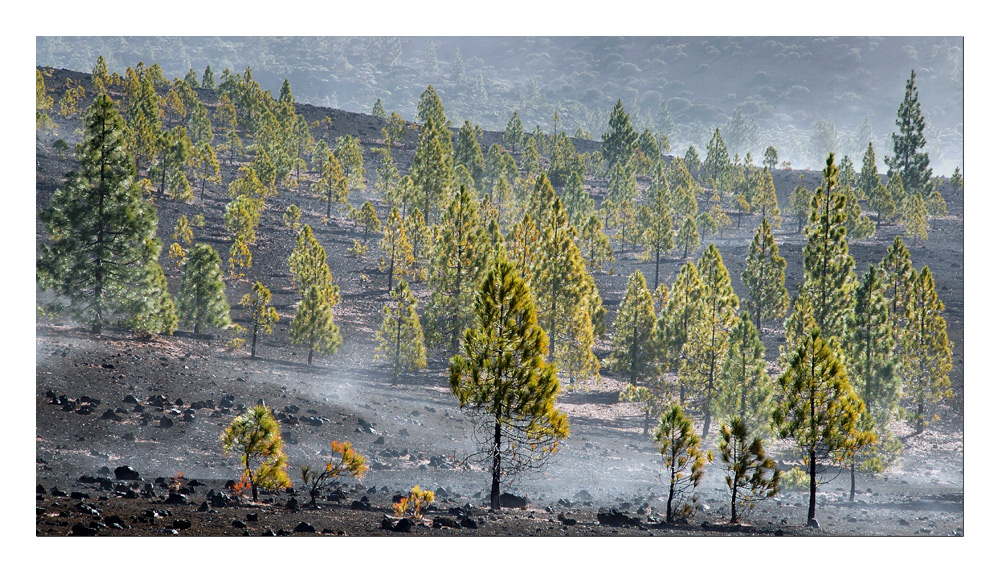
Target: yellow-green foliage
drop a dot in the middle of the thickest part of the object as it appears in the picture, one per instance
(255, 437)
(417, 501)
(343, 461)
(795, 479)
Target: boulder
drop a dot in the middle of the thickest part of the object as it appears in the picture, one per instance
(513, 501)
(126, 473)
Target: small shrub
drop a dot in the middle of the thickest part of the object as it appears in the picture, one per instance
(795, 479)
(343, 460)
(417, 501)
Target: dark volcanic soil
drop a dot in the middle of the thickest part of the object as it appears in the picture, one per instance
(158, 406)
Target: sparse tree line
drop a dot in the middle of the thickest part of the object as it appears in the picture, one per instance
(508, 251)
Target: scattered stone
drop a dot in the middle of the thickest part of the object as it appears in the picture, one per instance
(78, 495)
(252, 517)
(293, 504)
(82, 530)
(130, 399)
(85, 410)
(40, 489)
(110, 414)
(126, 473)
(566, 520)
(176, 499)
(182, 524)
(304, 527)
(361, 504)
(115, 522)
(166, 422)
(227, 401)
(267, 533)
(513, 501)
(583, 495)
(311, 420)
(239, 524)
(615, 518)
(159, 401)
(88, 509)
(380, 440)
(469, 523)
(440, 522)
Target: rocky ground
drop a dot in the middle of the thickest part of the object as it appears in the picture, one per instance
(113, 404)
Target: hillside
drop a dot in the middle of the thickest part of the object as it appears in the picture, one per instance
(412, 431)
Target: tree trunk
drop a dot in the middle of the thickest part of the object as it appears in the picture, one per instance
(811, 517)
(253, 343)
(732, 504)
(853, 487)
(495, 489)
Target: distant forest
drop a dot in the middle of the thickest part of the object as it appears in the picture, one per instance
(805, 96)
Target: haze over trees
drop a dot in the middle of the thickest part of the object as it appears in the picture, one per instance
(505, 268)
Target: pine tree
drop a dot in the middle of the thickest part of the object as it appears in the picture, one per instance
(431, 110)
(658, 236)
(202, 299)
(708, 337)
(621, 140)
(401, 338)
(633, 353)
(199, 126)
(595, 245)
(208, 79)
(578, 203)
(858, 225)
(687, 236)
(175, 147)
(830, 281)
(676, 321)
(800, 204)
(43, 102)
(530, 158)
(685, 461)
(421, 238)
(957, 181)
(683, 191)
(846, 175)
(764, 199)
(502, 378)
(207, 167)
(378, 112)
(869, 180)
(154, 311)
(256, 438)
(771, 157)
(915, 217)
(926, 351)
(397, 258)
(872, 361)
(431, 169)
(349, 154)
(881, 200)
(332, 185)
(368, 219)
(817, 407)
(764, 277)
(313, 324)
(470, 154)
(457, 268)
(747, 465)
(394, 130)
(897, 192)
(522, 246)
(513, 134)
(912, 165)
(717, 161)
(262, 317)
(102, 235)
(745, 389)
(309, 267)
(561, 284)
